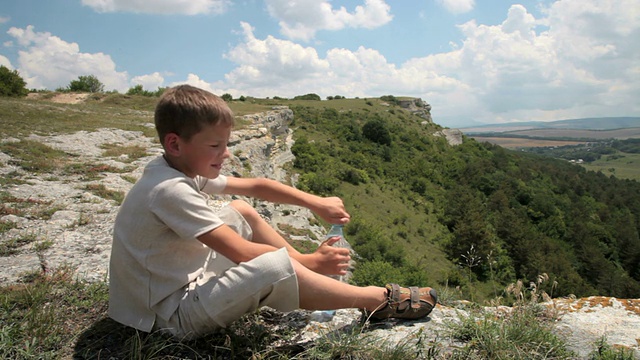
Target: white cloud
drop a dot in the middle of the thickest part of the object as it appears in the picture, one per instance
(578, 61)
(582, 63)
(5, 62)
(149, 82)
(194, 80)
(46, 61)
(457, 6)
(186, 7)
(273, 66)
(272, 61)
(301, 19)
(4, 19)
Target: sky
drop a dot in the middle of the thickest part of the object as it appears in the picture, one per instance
(475, 62)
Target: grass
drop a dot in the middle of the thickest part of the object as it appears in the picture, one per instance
(372, 202)
(102, 191)
(11, 205)
(12, 246)
(131, 153)
(22, 117)
(621, 165)
(34, 156)
(519, 142)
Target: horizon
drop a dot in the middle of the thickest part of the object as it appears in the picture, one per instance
(475, 63)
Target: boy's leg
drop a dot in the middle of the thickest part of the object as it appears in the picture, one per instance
(215, 301)
(316, 291)
(319, 292)
(262, 231)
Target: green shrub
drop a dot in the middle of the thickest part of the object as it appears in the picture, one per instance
(11, 83)
(307, 97)
(86, 83)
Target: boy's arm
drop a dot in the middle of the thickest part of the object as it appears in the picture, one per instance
(331, 209)
(233, 246)
(223, 239)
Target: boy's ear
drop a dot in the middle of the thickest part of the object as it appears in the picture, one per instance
(172, 144)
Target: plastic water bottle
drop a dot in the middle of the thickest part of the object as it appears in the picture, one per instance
(327, 315)
(337, 230)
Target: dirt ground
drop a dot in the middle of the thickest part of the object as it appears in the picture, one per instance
(63, 98)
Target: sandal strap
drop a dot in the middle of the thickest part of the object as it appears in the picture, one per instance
(415, 297)
(393, 293)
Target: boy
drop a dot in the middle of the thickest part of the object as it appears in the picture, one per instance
(179, 266)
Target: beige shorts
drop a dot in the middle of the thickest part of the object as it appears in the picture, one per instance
(215, 301)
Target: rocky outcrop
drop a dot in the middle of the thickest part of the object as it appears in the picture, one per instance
(418, 107)
(60, 220)
(453, 136)
(76, 227)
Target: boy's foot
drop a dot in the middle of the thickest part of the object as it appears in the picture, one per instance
(406, 303)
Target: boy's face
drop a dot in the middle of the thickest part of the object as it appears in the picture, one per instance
(206, 151)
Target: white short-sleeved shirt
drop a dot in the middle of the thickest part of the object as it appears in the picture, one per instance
(155, 252)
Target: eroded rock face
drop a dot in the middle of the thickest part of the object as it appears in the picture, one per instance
(78, 232)
(453, 136)
(584, 321)
(418, 107)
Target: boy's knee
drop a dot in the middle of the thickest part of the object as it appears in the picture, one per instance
(244, 209)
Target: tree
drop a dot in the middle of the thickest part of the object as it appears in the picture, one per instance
(377, 131)
(308, 97)
(139, 90)
(86, 83)
(227, 97)
(11, 83)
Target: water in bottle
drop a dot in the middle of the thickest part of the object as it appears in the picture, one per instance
(327, 315)
(337, 230)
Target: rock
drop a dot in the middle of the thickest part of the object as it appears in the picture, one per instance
(453, 136)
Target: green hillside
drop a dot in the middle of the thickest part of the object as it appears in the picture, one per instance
(474, 216)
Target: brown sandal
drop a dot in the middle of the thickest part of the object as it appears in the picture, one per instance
(407, 303)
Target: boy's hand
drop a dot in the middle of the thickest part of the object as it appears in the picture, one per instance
(329, 260)
(331, 210)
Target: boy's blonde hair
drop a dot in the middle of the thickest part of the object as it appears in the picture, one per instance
(185, 110)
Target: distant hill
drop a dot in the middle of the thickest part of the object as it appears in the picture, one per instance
(602, 123)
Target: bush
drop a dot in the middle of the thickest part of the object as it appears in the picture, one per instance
(11, 83)
(308, 97)
(377, 131)
(86, 83)
(377, 273)
(139, 90)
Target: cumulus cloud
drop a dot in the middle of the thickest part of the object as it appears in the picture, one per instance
(149, 82)
(273, 66)
(301, 19)
(46, 61)
(5, 62)
(457, 6)
(194, 80)
(578, 60)
(586, 56)
(186, 7)
(272, 61)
